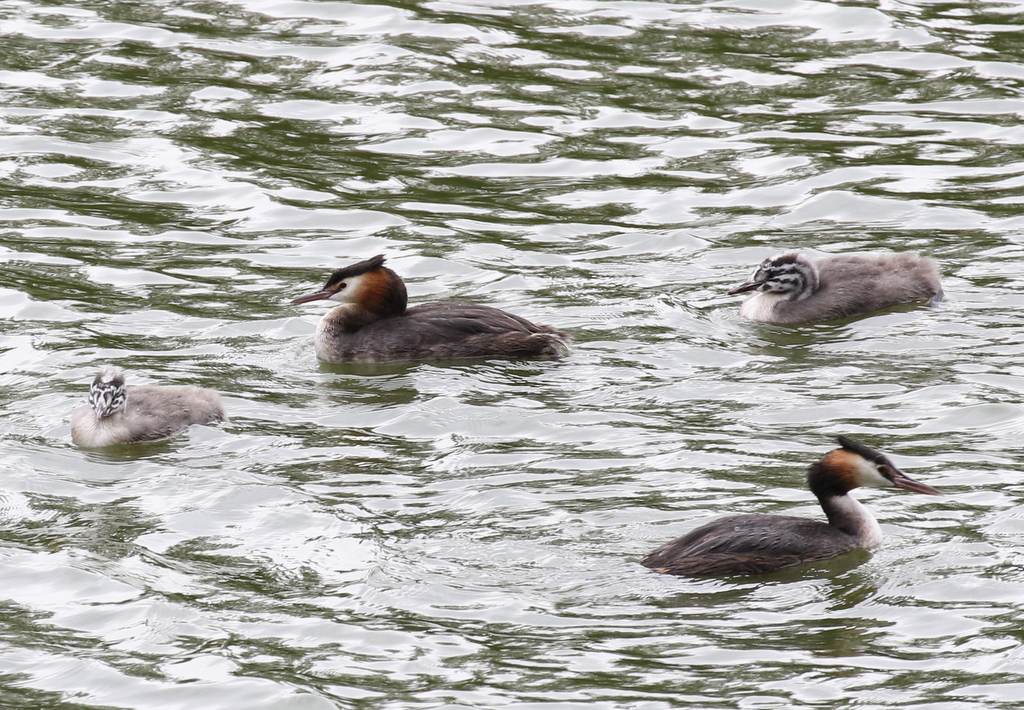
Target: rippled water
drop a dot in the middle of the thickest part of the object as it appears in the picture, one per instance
(466, 536)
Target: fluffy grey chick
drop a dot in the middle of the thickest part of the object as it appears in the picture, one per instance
(793, 289)
(117, 414)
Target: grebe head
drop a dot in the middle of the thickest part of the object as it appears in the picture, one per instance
(855, 465)
(790, 275)
(369, 284)
(107, 393)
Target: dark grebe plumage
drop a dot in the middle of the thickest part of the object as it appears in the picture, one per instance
(373, 324)
(755, 544)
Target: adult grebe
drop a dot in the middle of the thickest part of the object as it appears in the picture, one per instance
(755, 544)
(374, 325)
(120, 415)
(793, 289)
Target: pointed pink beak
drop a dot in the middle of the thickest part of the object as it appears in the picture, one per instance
(744, 287)
(318, 296)
(909, 484)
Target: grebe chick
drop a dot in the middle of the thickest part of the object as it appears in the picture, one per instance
(121, 415)
(756, 544)
(374, 325)
(793, 289)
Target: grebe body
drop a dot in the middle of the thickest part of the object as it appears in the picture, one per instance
(757, 544)
(373, 324)
(118, 414)
(793, 289)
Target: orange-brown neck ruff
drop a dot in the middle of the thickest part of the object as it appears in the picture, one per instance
(381, 292)
(835, 474)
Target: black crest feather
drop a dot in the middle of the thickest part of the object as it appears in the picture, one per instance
(363, 267)
(861, 450)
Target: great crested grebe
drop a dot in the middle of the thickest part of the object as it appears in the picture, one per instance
(121, 415)
(374, 325)
(756, 544)
(793, 289)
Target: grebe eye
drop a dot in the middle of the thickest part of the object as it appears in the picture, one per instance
(885, 470)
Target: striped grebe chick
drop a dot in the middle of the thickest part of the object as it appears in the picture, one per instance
(117, 414)
(794, 289)
(374, 324)
(757, 544)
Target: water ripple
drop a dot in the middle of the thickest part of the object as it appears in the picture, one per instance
(467, 535)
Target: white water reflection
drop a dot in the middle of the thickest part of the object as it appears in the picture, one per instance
(439, 535)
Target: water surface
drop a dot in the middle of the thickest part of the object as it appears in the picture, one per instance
(466, 535)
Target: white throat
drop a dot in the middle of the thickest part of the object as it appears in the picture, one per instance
(761, 305)
(855, 516)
